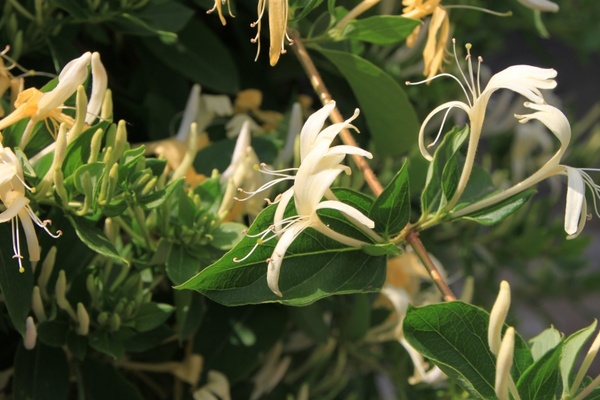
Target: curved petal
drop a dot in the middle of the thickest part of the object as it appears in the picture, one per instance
(347, 210)
(99, 86)
(350, 150)
(554, 120)
(446, 106)
(72, 75)
(241, 144)
(12, 211)
(280, 210)
(574, 209)
(274, 266)
(33, 245)
(526, 80)
(312, 127)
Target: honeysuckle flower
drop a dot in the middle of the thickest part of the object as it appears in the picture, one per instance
(523, 79)
(578, 178)
(437, 35)
(8, 81)
(219, 7)
(242, 171)
(320, 166)
(540, 5)
(278, 17)
(12, 196)
(38, 106)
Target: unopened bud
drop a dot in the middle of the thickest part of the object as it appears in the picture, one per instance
(83, 320)
(47, 267)
(61, 295)
(114, 322)
(95, 145)
(120, 139)
(37, 304)
(503, 363)
(30, 334)
(498, 316)
(81, 109)
(102, 318)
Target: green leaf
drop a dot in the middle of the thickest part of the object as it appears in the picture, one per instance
(442, 174)
(152, 315)
(226, 235)
(544, 342)
(106, 342)
(311, 320)
(95, 239)
(381, 249)
(356, 318)
(15, 287)
(188, 57)
(189, 312)
(391, 210)
(390, 116)
(41, 373)
(306, 5)
(381, 29)
(571, 348)
(499, 211)
(78, 152)
(540, 381)
(53, 333)
(314, 267)
(180, 264)
(102, 381)
(454, 337)
(244, 334)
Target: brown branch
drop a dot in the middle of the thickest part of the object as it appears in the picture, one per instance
(319, 86)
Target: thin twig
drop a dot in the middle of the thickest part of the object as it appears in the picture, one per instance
(336, 117)
(319, 86)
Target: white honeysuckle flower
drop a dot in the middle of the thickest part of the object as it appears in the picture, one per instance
(294, 127)
(12, 196)
(320, 166)
(38, 106)
(233, 127)
(578, 178)
(540, 5)
(278, 17)
(523, 79)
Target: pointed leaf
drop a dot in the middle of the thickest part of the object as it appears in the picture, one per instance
(570, 350)
(390, 116)
(391, 210)
(454, 337)
(381, 29)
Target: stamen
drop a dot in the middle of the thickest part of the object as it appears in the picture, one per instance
(16, 243)
(409, 83)
(470, 67)
(479, 61)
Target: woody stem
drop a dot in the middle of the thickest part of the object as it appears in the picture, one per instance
(319, 86)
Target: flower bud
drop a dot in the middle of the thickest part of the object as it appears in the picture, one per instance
(37, 304)
(61, 295)
(47, 267)
(83, 320)
(498, 316)
(30, 334)
(503, 364)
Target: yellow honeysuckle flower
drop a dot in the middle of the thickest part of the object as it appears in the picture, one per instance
(38, 106)
(219, 7)
(278, 17)
(437, 35)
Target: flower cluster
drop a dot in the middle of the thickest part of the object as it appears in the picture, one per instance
(320, 166)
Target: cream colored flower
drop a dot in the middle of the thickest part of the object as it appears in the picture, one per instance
(12, 196)
(216, 388)
(523, 79)
(219, 7)
(320, 166)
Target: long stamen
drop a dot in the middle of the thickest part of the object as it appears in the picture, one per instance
(479, 61)
(16, 243)
(409, 83)
(43, 224)
(470, 67)
(462, 73)
(264, 187)
(276, 172)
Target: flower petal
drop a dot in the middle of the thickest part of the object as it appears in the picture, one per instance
(446, 106)
(575, 202)
(347, 210)
(71, 76)
(312, 127)
(274, 266)
(99, 85)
